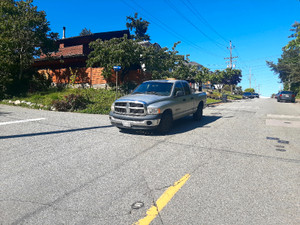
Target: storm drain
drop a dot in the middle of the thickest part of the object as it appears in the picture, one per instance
(137, 205)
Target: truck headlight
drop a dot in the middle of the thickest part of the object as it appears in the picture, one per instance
(112, 108)
(153, 111)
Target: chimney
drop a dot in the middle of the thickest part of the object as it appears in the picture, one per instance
(64, 33)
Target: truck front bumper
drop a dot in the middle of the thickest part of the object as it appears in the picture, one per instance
(147, 122)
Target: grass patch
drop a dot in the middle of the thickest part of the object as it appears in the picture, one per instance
(94, 101)
(97, 101)
(234, 97)
(211, 100)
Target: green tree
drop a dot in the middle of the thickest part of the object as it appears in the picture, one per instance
(122, 52)
(139, 26)
(156, 61)
(130, 55)
(231, 77)
(295, 43)
(216, 77)
(24, 35)
(288, 66)
(249, 90)
(238, 90)
(85, 31)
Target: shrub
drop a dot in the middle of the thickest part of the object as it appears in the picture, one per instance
(128, 87)
(249, 90)
(71, 103)
(227, 88)
(39, 82)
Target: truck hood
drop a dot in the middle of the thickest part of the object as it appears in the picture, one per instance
(144, 98)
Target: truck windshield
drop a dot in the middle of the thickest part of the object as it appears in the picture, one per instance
(156, 88)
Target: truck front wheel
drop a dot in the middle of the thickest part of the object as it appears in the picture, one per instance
(199, 113)
(165, 123)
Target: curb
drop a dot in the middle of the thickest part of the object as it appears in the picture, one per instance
(214, 104)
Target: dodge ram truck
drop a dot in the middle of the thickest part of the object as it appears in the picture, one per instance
(155, 104)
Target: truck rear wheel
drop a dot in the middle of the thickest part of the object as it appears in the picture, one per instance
(199, 113)
(165, 123)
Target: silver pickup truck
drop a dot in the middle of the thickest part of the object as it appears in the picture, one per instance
(155, 104)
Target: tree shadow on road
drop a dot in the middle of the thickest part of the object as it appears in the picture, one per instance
(53, 132)
(4, 113)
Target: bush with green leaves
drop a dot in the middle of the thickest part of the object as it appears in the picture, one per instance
(71, 103)
(127, 87)
(249, 90)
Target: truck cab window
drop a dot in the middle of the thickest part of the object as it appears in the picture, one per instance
(186, 87)
(178, 87)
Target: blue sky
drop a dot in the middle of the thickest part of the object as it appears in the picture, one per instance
(257, 28)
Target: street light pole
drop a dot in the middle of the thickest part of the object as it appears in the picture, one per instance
(117, 69)
(116, 84)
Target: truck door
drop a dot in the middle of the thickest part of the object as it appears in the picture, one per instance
(189, 98)
(180, 101)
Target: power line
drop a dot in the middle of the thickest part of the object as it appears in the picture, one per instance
(201, 18)
(190, 22)
(165, 27)
(250, 78)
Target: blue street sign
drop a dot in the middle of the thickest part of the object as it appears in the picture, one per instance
(117, 68)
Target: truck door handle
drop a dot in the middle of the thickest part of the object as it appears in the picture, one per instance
(192, 97)
(183, 100)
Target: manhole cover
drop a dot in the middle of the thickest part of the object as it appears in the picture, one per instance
(137, 205)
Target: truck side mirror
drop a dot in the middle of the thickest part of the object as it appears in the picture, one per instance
(179, 93)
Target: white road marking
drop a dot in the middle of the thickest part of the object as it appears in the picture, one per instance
(283, 116)
(21, 121)
(282, 123)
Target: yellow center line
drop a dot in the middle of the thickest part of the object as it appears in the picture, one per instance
(163, 201)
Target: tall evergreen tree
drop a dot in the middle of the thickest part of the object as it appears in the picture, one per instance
(288, 66)
(85, 31)
(139, 26)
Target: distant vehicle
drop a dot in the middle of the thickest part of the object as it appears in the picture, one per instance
(256, 95)
(276, 95)
(248, 95)
(286, 96)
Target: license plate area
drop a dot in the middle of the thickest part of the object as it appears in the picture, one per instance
(126, 123)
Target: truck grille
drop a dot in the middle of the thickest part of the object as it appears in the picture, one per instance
(130, 108)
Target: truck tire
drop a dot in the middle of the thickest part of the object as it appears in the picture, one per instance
(165, 124)
(199, 113)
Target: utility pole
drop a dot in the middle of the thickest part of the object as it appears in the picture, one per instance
(250, 78)
(230, 57)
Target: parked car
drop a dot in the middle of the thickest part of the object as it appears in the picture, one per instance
(287, 96)
(247, 95)
(155, 104)
(256, 95)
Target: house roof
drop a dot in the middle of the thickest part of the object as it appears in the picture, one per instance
(192, 63)
(79, 40)
(148, 44)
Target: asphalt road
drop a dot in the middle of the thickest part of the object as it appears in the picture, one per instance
(242, 160)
